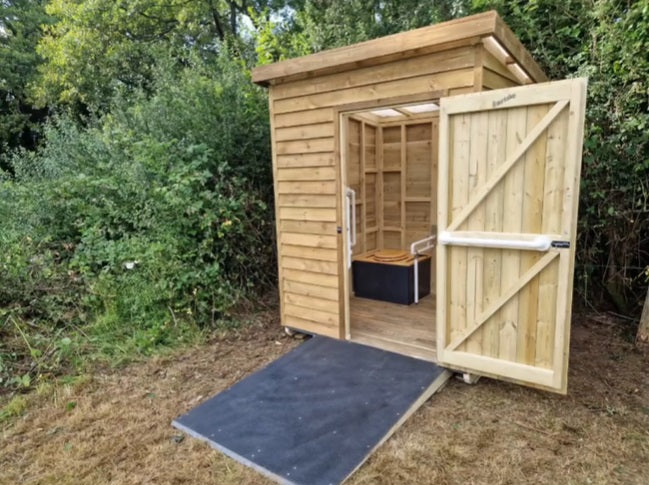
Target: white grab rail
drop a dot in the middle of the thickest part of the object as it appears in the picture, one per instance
(350, 209)
(426, 243)
(537, 243)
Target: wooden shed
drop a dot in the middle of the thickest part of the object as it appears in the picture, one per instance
(439, 158)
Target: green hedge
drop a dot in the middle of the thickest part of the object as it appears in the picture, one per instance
(149, 221)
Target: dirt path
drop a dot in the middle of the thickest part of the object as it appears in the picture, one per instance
(119, 430)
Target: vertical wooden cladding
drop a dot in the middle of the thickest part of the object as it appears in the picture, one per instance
(361, 176)
(307, 181)
(355, 174)
(420, 180)
(512, 171)
(408, 178)
(370, 195)
(514, 205)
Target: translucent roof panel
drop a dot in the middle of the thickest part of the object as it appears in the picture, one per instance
(421, 108)
(385, 112)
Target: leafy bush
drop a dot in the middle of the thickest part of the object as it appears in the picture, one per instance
(149, 221)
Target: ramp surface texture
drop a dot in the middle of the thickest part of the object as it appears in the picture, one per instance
(314, 415)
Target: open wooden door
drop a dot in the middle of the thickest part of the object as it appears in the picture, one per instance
(509, 168)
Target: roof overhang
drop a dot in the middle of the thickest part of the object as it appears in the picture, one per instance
(486, 28)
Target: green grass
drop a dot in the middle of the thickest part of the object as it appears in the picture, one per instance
(14, 408)
(32, 354)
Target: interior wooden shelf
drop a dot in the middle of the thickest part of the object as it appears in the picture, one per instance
(418, 199)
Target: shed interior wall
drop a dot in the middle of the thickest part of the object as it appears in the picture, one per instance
(392, 167)
(391, 164)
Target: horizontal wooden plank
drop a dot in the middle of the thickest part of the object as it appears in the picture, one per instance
(456, 91)
(315, 145)
(493, 80)
(542, 93)
(302, 200)
(308, 227)
(310, 327)
(311, 314)
(321, 254)
(401, 87)
(306, 117)
(503, 369)
(306, 160)
(459, 58)
(329, 294)
(305, 132)
(490, 62)
(400, 44)
(311, 302)
(326, 267)
(306, 173)
(329, 281)
(309, 240)
(306, 187)
(307, 214)
(304, 301)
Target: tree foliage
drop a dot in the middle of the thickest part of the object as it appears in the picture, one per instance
(324, 24)
(97, 48)
(20, 32)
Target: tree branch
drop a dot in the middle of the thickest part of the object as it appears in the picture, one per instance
(217, 21)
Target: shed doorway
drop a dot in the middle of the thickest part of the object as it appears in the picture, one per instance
(389, 173)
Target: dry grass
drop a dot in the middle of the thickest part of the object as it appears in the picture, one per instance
(496, 433)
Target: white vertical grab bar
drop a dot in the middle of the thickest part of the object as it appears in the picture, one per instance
(353, 205)
(350, 210)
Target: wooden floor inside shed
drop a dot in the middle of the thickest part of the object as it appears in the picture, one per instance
(406, 329)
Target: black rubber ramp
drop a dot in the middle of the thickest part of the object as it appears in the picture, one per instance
(314, 415)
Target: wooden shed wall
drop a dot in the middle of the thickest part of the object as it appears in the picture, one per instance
(494, 74)
(306, 171)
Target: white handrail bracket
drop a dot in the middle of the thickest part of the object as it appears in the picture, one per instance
(415, 249)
